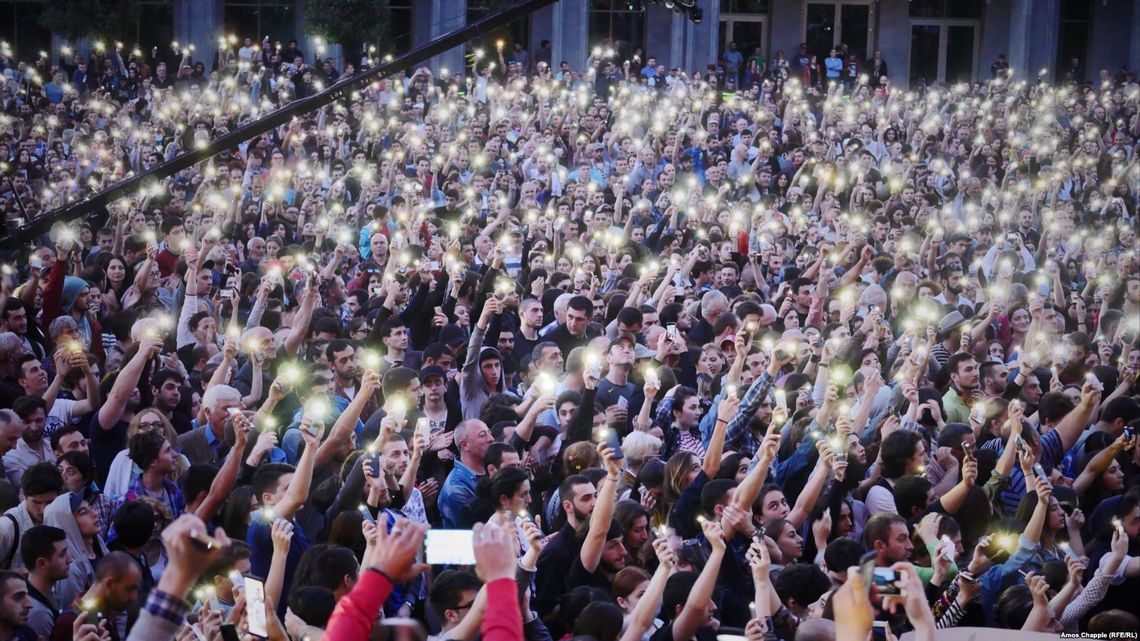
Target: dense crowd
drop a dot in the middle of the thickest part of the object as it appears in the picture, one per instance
(795, 361)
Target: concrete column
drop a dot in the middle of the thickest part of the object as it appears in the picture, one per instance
(676, 56)
(199, 22)
(546, 24)
(575, 21)
(893, 18)
(447, 16)
(1021, 12)
(1043, 38)
(787, 28)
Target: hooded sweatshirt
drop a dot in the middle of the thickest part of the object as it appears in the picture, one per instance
(473, 390)
(60, 514)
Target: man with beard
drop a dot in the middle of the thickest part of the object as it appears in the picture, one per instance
(107, 433)
(32, 447)
(341, 357)
(14, 317)
(577, 497)
(963, 371)
(602, 553)
(577, 329)
(166, 390)
(952, 286)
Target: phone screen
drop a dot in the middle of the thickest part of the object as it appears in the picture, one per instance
(879, 631)
(255, 607)
(449, 547)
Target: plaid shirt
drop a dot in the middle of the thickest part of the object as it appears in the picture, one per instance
(167, 606)
(738, 437)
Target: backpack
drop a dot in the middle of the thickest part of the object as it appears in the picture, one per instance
(11, 555)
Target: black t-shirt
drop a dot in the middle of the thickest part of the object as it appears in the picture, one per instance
(104, 445)
(578, 575)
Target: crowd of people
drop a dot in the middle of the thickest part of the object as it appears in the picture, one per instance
(797, 362)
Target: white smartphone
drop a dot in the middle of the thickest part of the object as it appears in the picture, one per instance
(255, 607)
(449, 547)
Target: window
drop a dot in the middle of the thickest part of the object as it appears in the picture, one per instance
(260, 18)
(946, 8)
(20, 28)
(399, 37)
(517, 32)
(743, 6)
(833, 24)
(155, 26)
(620, 21)
(1073, 40)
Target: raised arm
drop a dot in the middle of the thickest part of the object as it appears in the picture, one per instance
(715, 448)
(650, 602)
(692, 615)
(126, 382)
(595, 543)
(298, 491)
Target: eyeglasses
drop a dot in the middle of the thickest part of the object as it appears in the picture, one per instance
(460, 608)
(150, 426)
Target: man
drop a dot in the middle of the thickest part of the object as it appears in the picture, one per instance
(615, 389)
(458, 504)
(207, 444)
(40, 486)
(802, 292)
(32, 447)
(15, 605)
(713, 305)
(107, 431)
(394, 336)
(15, 320)
(172, 238)
(482, 374)
(889, 538)
(953, 284)
(434, 381)
(452, 595)
(993, 378)
(530, 321)
(115, 592)
(602, 554)
(547, 356)
(166, 388)
(576, 331)
(43, 549)
(151, 452)
(577, 497)
(60, 411)
(281, 490)
(963, 381)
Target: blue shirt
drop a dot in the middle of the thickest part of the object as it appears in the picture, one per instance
(259, 537)
(458, 504)
(1051, 453)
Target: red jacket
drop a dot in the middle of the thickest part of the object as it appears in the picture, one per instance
(359, 609)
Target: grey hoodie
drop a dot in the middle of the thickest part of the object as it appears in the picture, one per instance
(473, 390)
(82, 574)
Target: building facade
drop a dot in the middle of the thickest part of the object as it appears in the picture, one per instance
(920, 40)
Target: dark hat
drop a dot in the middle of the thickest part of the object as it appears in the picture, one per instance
(950, 322)
(430, 371)
(452, 335)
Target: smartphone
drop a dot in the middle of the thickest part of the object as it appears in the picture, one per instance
(622, 402)
(255, 607)
(878, 631)
(449, 547)
(1127, 432)
(609, 436)
(881, 579)
(227, 292)
(1039, 471)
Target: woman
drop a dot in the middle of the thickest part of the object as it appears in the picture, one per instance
(630, 585)
(123, 471)
(903, 453)
(679, 421)
(70, 513)
(633, 519)
(1101, 475)
(788, 541)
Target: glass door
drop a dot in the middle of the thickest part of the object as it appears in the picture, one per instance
(843, 22)
(943, 51)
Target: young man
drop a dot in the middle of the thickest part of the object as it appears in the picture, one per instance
(151, 452)
(32, 447)
(280, 491)
(577, 497)
(453, 596)
(963, 381)
(40, 485)
(114, 593)
(43, 549)
(15, 604)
